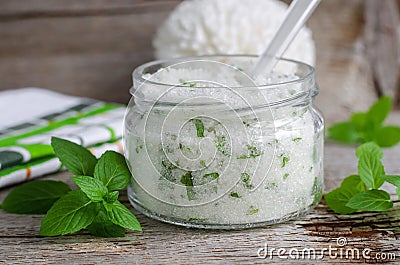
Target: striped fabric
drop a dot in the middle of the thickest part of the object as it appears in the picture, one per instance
(29, 117)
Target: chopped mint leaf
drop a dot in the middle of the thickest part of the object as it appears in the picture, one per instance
(187, 180)
(297, 139)
(192, 84)
(253, 152)
(222, 145)
(203, 163)
(213, 175)
(247, 124)
(184, 147)
(199, 127)
(246, 180)
(252, 210)
(285, 160)
(166, 171)
(285, 176)
(270, 186)
(235, 195)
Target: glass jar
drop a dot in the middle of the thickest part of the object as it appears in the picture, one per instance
(210, 147)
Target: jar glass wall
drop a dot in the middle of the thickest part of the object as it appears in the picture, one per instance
(210, 147)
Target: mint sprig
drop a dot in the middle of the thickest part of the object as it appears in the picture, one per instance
(368, 126)
(361, 192)
(94, 205)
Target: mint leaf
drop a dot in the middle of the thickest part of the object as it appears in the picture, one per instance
(398, 193)
(338, 198)
(187, 180)
(369, 147)
(235, 195)
(120, 215)
(34, 197)
(77, 159)
(71, 213)
(245, 177)
(371, 200)
(394, 180)
(344, 132)
(380, 110)
(213, 175)
(111, 196)
(359, 120)
(111, 169)
(92, 187)
(370, 169)
(354, 183)
(285, 160)
(103, 227)
(387, 136)
(199, 127)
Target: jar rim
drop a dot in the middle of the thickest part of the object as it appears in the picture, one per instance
(308, 76)
(138, 72)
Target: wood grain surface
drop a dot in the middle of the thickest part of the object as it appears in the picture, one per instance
(161, 243)
(89, 48)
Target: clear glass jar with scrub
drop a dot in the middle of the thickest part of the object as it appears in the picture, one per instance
(209, 146)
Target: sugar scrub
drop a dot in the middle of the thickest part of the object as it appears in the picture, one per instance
(210, 147)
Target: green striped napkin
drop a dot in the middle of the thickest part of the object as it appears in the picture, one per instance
(29, 117)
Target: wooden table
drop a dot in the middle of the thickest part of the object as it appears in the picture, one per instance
(164, 243)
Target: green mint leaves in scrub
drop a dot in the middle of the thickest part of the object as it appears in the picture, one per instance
(94, 206)
(362, 191)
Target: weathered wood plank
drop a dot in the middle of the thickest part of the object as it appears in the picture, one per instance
(343, 72)
(89, 48)
(19, 9)
(83, 48)
(382, 40)
(163, 243)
